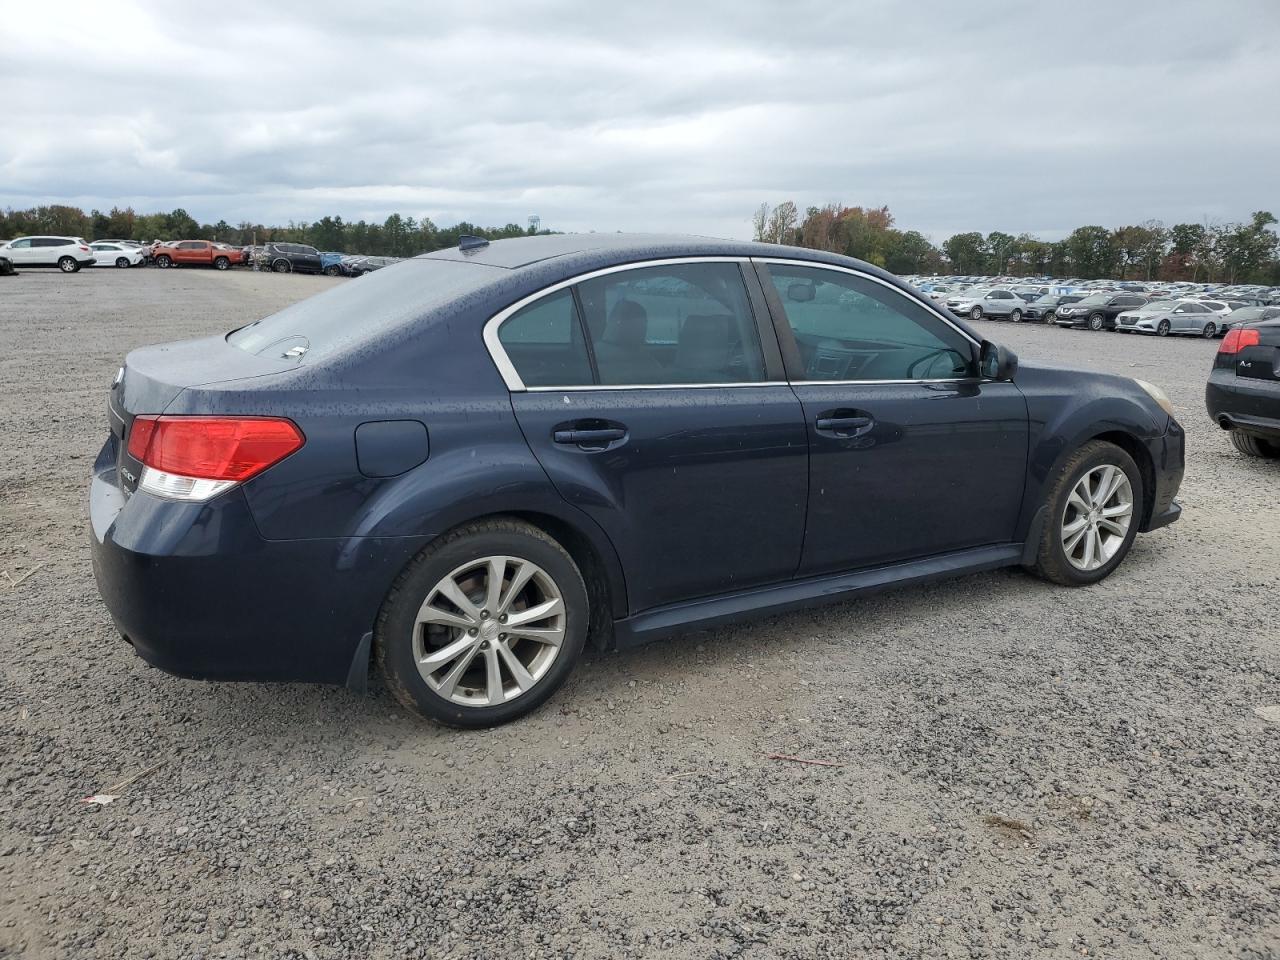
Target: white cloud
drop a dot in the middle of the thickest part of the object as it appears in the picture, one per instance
(663, 116)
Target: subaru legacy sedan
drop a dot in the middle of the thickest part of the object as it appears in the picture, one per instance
(466, 466)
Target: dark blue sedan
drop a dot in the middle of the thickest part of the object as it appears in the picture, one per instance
(471, 463)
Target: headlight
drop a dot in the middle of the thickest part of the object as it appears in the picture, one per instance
(1158, 395)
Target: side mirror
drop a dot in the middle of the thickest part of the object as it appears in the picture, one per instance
(996, 362)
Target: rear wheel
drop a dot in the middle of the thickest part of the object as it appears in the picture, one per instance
(1210, 330)
(1093, 511)
(1015, 316)
(1097, 321)
(68, 265)
(1163, 328)
(122, 263)
(1252, 446)
(484, 625)
(975, 313)
(282, 266)
(221, 263)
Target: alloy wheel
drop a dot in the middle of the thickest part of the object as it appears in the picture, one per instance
(1015, 316)
(1162, 328)
(1210, 329)
(975, 313)
(67, 265)
(1096, 322)
(1097, 516)
(489, 631)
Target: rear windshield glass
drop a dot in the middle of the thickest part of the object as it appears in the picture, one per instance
(362, 308)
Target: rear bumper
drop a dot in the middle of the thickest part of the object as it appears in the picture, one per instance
(199, 593)
(1244, 403)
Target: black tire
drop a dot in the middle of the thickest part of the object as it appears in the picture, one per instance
(281, 266)
(1050, 316)
(975, 313)
(1163, 328)
(1210, 330)
(1015, 316)
(1252, 446)
(394, 631)
(68, 265)
(1051, 561)
(1097, 321)
(331, 270)
(221, 263)
(122, 263)
(163, 262)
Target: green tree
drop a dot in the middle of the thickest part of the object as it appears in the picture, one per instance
(967, 252)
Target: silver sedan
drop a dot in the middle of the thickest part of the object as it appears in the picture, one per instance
(1164, 317)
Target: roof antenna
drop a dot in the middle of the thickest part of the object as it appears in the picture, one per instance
(469, 242)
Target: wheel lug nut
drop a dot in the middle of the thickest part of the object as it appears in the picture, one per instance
(473, 631)
(484, 614)
(503, 618)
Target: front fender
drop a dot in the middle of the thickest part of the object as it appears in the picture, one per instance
(1068, 408)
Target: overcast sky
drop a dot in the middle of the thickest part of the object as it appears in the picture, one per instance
(957, 114)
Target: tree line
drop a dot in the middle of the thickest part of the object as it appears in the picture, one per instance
(397, 236)
(1247, 252)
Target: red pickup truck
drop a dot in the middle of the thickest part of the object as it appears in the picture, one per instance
(181, 253)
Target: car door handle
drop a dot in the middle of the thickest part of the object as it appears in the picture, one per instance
(841, 422)
(590, 436)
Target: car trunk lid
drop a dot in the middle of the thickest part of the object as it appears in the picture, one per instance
(153, 377)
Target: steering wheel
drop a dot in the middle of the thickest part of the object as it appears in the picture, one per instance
(911, 370)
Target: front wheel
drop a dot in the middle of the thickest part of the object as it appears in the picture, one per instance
(221, 263)
(1252, 446)
(975, 313)
(1097, 321)
(122, 263)
(1093, 511)
(164, 263)
(1163, 328)
(484, 625)
(331, 270)
(68, 265)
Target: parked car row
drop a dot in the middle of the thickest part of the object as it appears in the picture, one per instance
(1160, 312)
(70, 254)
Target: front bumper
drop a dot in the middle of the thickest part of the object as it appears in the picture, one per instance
(1168, 460)
(200, 593)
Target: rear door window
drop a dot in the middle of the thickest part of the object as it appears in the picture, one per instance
(544, 342)
(673, 324)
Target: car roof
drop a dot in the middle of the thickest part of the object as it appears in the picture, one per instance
(585, 251)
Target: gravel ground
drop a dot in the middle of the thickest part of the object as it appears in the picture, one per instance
(1023, 770)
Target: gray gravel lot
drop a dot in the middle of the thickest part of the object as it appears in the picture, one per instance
(1024, 770)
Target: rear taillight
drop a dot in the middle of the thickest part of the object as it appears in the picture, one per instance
(1239, 338)
(195, 458)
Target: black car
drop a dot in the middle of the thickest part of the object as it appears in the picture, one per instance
(363, 265)
(1098, 311)
(6, 267)
(291, 258)
(1243, 393)
(460, 470)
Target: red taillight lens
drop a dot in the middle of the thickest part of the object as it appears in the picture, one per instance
(213, 448)
(1239, 338)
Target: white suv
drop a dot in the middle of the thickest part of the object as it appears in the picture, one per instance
(68, 254)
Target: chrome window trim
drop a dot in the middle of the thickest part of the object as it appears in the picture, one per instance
(657, 386)
(922, 301)
(514, 384)
(507, 369)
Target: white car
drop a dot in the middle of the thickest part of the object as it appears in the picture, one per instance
(115, 254)
(68, 254)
